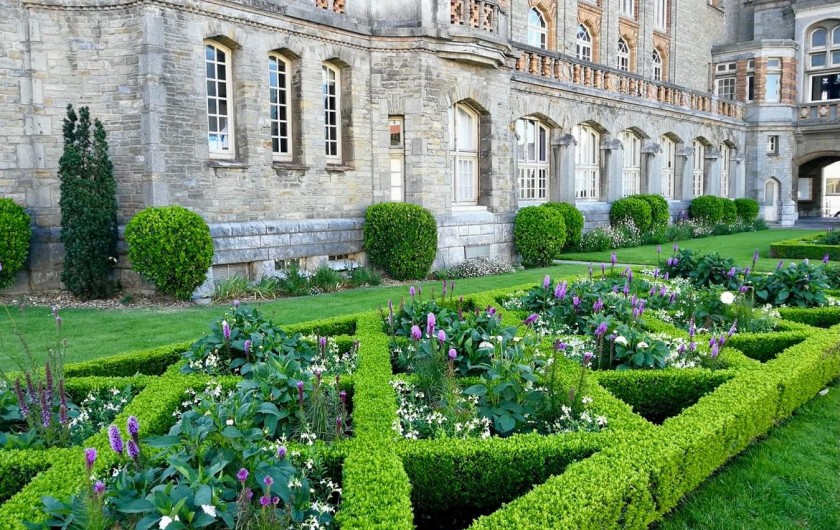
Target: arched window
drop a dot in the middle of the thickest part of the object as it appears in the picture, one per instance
(587, 162)
(537, 31)
(331, 78)
(584, 44)
(725, 163)
(657, 65)
(279, 101)
(532, 165)
(822, 61)
(463, 156)
(623, 57)
(699, 171)
(632, 164)
(669, 162)
(219, 100)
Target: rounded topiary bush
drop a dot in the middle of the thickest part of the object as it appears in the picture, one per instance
(633, 209)
(401, 238)
(573, 219)
(730, 211)
(539, 235)
(14, 245)
(707, 209)
(659, 213)
(747, 209)
(171, 247)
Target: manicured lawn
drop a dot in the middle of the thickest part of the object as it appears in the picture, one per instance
(738, 246)
(92, 333)
(789, 480)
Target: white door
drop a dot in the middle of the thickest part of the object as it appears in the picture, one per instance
(771, 200)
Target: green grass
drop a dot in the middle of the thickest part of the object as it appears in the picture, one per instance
(789, 480)
(93, 333)
(738, 246)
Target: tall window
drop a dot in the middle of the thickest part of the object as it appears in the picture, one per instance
(669, 162)
(725, 80)
(823, 62)
(699, 173)
(219, 105)
(279, 98)
(623, 57)
(584, 43)
(657, 65)
(332, 110)
(660, 14)
(537, 32)
(632, 165)
(396, 152)
(628, 8)
(751, 80)
(532, 162)
(773, 81)
(725, 161)
(587, 162)
(463, 141)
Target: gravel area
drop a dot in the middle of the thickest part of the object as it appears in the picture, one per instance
(64, 300)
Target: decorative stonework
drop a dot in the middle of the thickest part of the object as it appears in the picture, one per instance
(548, 9)
(337, 5)
(590, 16)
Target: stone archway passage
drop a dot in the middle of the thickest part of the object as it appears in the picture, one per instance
(818, 187)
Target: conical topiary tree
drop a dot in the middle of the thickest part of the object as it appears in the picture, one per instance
(88, 207)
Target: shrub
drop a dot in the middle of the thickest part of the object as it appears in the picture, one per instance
(747, 209)
(363, 276)
(326, 279)
(88, 208)
(574, 222)
(295, 282)
(631, 208)
(539, 235)
(707, 209)
(596, 240)
(474, 268)
(14, 245)
(171, 247)
(659, 213)
(401, 238)
(800, 285)
(730, 211)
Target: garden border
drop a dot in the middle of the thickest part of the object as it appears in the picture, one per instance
(798, 249)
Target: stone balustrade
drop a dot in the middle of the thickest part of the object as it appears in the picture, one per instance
(331, 5)
(566, 69)
(820, 112)
(478, 14)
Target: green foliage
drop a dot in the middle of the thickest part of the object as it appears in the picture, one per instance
(704, 270)
(766, 346)
(171, 247)
(747, 209)
(361, 276)
(295, 282)
(633, 209)
(730, 211)
(14, 246)
(574, 222)
(148, 362)
(659, 213)
(326, 280)
(596, 240)
(707, 209)
(813, 248)
(401, 238)
(832, 237)
(800, 285)
(88, 208)
(820, 317)
(539, 235)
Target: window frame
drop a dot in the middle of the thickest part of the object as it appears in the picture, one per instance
(278, 153)
(584, 46)
(668, 168)
(230, 152)
(631, 163)
(823, 80)
(660, 15)
(396, 155)
(725, 169)
(457, 155)
(533, 171)
(623, 55)
(658, 70)
(539, 32)
(627, 9)
(587, 169)
(698, 171)
(327, 69)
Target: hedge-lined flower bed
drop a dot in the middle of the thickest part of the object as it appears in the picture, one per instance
(813, 248)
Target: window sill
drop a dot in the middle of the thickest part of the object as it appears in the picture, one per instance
(456, 209)
(290, 166)
(226, 164)
(339, 168)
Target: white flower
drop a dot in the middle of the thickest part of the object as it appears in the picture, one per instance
(229, 422)
(727, 298)
(209, 509)
(642, 344)
(166, 521)
(621, 340)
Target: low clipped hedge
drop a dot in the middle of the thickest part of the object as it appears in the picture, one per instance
(401, 238)
(631, 209)
(765, 346)
(819, 317)
(574, 222)
(747, 209)
(14, 245)
(148, 362)
(804, 248)
(539, 235)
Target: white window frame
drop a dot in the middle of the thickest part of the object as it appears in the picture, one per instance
(587, 163)
(280, 100)
(396, 155)
(623, 55)
(725, 87)
(627, 8)
(532, 159)
(631, 169)
(331, 78)
(537, 32)
(219, 91)
(698, 173)
(821, 78)
(583, 49)
(725, 169)
(773, 144)
(660, 15)
(774, 71)
(749, 93)
(464, 158)
(668, 167)
(656, 59)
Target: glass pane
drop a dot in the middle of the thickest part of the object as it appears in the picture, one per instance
(773, 87)
(818, 38)
(211, 71)
(835, 57)
(223, 110)
(836, 36)
(211, 106)
(818, 59)
(222, 72)
(395, 131)
(542, 145)
(209, 52)
(466, 131)
(211, 88)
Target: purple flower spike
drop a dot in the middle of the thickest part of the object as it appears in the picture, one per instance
(733, 329)
(268, 481)
(547, 282)
(676, 248)
(322, 342)
(265, 500)
(342, 396)
(133, 428)
(603, 269)
(300, 392)
(441, 335)
(755, 256)
(416, 334)
(731, 273)
(601, 330)
(242, 475)
(587, 358)
(247, 347)
(659, 249)
(715, 350)
(712, 342)
(575, 302)
(667, 275)
(560, 345)
(133, 450)
(531, 319)
(249, 494)
(692, 346)
(236, 304)
(99, 487)
(412, 291)
(779, 266)
(226, 329)
(90, 458)
(281, 452)
(825, 259)
(452, 354)
(613, 259)
(430, 324)
(115, 438)
(598, 306)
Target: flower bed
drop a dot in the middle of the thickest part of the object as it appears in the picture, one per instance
(627, 475)
(805, 248)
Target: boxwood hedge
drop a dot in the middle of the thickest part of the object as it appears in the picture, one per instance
(804, 248)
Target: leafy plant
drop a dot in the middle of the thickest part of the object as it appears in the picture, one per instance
(707, 209)
(633, 209)
(14, 245)
(361, 276)
(539, 235)
(747, 209)
(326, 279)
(294, 282)
(800, 285)
(401, 238)
(573, 221)
(659, 213)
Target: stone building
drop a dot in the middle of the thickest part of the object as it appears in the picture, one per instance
(281, 121)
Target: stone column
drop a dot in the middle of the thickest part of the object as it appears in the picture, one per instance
(737, 178)
(651, 170)
(711, 179)
(611, 169)
(683, 183)
(562, 180)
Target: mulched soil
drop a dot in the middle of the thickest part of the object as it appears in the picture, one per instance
(65, 300)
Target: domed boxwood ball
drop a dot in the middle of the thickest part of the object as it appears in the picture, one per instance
(707, 209)
(14, 245)
(730, 210)
(633, 209)
(401, 238)
(747, 209)
(171, 247)
(659, 213)
(539, 235)
(574, 222)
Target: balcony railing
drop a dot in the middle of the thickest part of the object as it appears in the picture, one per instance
(479, 14)
(566, 69)
(820, 112)
(331, 5)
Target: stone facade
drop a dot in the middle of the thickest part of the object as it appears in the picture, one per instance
(140, 66)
